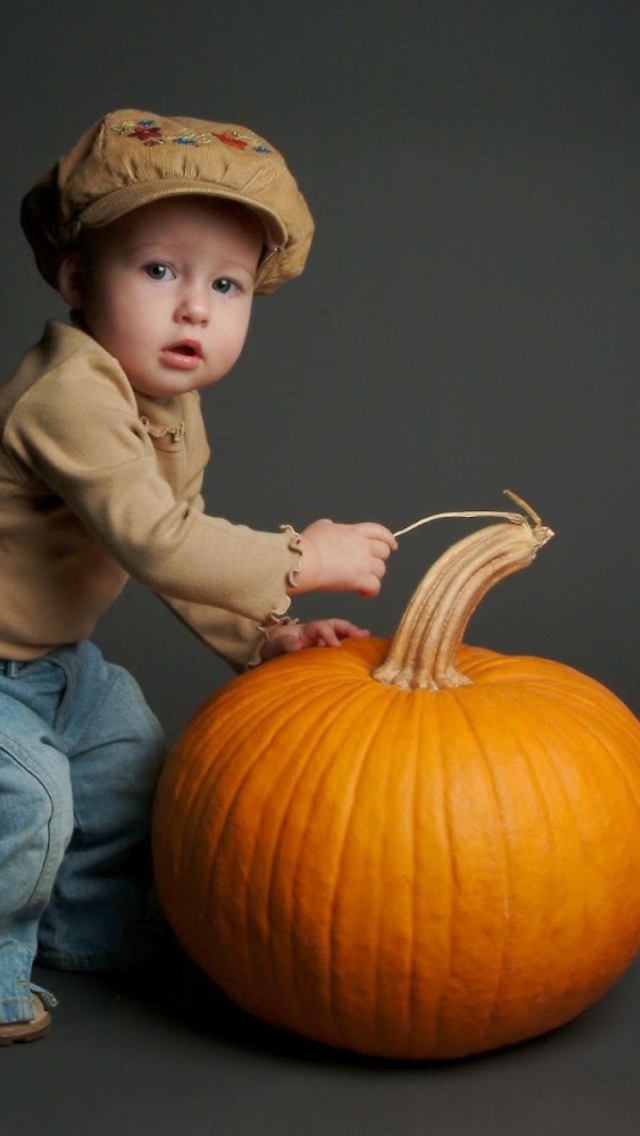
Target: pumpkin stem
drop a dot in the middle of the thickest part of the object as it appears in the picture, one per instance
(423, 650)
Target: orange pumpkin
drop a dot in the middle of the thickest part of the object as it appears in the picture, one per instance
(415, 850)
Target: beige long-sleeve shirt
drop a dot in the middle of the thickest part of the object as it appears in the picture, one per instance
(99, 483)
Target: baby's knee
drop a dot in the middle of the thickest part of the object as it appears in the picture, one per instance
(36, 824)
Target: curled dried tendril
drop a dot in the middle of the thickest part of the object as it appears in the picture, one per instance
(529, 516)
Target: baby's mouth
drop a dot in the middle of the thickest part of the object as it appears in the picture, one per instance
(190, 348)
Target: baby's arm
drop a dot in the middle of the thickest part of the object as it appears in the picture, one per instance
(339, 557)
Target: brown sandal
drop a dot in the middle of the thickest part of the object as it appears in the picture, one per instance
(27, 1031)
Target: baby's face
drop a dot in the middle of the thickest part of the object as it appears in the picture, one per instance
(168, 291)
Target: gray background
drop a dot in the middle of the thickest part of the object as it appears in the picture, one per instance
(467, 323)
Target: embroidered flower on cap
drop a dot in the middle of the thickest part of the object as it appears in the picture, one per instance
(149, 134)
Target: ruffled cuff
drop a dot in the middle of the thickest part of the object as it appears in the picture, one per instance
(295, 546)
(279, 615)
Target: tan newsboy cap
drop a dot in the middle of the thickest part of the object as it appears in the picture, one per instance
(131, 158)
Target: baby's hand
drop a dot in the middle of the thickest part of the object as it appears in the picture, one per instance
(287, 637)
(341, 558)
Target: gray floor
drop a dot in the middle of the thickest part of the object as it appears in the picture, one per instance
(172, 1057)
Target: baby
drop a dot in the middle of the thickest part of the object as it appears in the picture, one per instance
(157, 232)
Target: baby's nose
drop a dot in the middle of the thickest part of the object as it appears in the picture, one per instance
(194, 307)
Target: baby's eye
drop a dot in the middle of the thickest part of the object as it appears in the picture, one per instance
(159, 271)
(225, 286)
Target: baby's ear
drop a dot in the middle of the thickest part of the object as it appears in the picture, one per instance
(71, 280)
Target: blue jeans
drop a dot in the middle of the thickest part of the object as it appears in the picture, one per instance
(80, 756)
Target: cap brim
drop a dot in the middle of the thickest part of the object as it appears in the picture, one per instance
(117, 204)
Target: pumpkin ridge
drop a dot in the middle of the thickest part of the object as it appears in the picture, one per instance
(566, 978)
(613, 757)
(594, 714)
(510, 725)
(342, 1027)
(508, 875)
(206, 900)
(302, 745)
(439, 1007)
(267, 738)
(592, 786)
(573, 972)
(415, 1013)
(332, 717)
(482, 761)
(386, 841)
(181, 844)
(558, 684)
(226, 758)
(414, 955)
(546, 673)
(210, 789)
(559, 693)
(612, 754)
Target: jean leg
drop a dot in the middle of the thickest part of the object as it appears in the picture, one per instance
(36, 821)
(97, 915)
